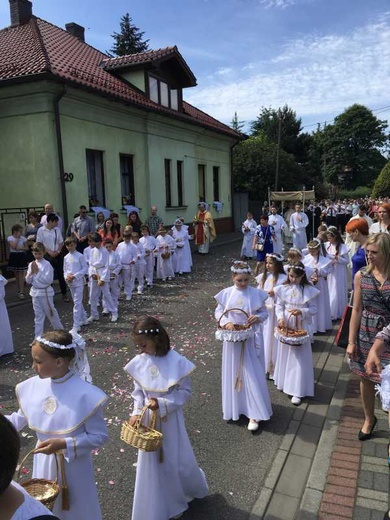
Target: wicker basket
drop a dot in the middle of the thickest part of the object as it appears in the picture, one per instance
(145, 438)
(43, 490)
(288, 335)
(241, 332)
(165, 255)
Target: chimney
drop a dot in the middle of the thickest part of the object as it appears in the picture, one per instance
(21, 12)
(75, 30)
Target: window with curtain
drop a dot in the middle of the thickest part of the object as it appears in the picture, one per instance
(168, 191)
(127, 179)
(95, 177)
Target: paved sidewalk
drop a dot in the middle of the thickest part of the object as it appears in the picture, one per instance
(322, 471)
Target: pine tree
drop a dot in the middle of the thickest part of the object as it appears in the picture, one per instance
(129, 40)
(236, 124)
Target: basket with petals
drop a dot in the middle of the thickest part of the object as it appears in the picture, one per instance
(241, 331)
(145, 438)
(165, 255)
(289, 335)
(43, 490)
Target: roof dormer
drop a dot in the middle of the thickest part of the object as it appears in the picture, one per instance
(161, 74)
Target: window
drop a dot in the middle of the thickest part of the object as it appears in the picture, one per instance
(180, 183)
(202, 182)
(153, 89)
(164, 94)
(95, 176)
(174, 99)
(168, 195)
(127, 179)
(216, 182)
(160, 92)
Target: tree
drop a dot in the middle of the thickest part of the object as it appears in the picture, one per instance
(254, 167)
(236, 124)
(284, 122)
(382, 184)
(129, 40)
(351, 147)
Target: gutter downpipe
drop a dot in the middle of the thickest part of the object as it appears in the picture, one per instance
(57, 123)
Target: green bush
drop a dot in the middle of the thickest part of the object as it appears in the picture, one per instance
(382, 184)
(358, 193)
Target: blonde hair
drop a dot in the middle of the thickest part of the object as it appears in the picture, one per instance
(382, 240)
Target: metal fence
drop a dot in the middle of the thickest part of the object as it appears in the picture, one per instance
(9, 217)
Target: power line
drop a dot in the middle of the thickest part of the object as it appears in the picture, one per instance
(381, 109)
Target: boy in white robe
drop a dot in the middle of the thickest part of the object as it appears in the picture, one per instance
(40, 276)
(6, 341)
(75, 269)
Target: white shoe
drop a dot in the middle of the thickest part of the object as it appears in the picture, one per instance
(91, 319)
(86, 322)
(114, 317)
(296, 401)
(140, 291)
(105, 312)
(253, 425)
(164, 280)
(169, 277)
(128, 298)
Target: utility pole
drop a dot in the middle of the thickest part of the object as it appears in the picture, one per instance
(278, 149)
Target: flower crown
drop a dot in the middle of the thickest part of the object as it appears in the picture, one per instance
(55, 345)
(296, 250)
(318, 242)
(147, 331)
(239, 267)
(292, 266)
(277, 256)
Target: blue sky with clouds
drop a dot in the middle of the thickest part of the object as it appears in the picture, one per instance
(318, 56)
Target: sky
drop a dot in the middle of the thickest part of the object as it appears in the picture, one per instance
(317, 56)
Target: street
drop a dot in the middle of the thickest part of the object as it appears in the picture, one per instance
(235, 461)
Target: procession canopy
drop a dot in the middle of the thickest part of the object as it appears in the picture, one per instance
(292, 195)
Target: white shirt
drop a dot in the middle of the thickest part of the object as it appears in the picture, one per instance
(50, 238)
(128, 254)
(98, 263)
(75, 264)
(42, 280)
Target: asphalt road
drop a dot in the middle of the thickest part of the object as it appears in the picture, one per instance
(235, 461)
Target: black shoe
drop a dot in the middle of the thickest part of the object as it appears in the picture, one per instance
(365, 436)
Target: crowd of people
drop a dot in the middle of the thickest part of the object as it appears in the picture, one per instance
(303, 291)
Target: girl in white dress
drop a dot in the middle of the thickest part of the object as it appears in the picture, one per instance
(294, 373)
(150, 244)
(322, 267)
(337, 279)
(248, 229)
(66, 413)
(244, 386)
(182, 261)
(6, 341)
(273, 275)
(166, 246)
(165, 481)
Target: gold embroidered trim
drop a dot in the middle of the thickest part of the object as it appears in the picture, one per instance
(164, 390)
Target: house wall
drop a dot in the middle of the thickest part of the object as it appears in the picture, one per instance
(29, 170)
(136, 78)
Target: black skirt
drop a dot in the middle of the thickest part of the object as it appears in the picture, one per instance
(17, 261)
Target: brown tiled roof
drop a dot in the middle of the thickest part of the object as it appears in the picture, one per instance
(38, 48)
(140, 57)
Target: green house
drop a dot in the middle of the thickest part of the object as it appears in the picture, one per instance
(78, 127)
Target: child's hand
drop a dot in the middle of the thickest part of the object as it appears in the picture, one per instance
(153, 404)
(100, 282)
(133, 419)
(34, 267)
(229, 326)
(252, 320)
(281, 323)
(296, 312)
(50, 446)
(271, 293)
